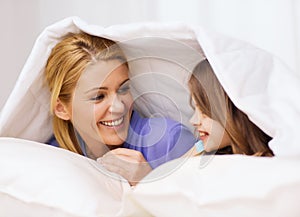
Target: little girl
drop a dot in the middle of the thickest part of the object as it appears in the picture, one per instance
(221, 127)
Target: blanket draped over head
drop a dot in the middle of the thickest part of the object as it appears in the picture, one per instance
(161, 58)
(42, 180)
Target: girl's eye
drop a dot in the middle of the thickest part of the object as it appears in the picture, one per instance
(98, 97)
(124, 90)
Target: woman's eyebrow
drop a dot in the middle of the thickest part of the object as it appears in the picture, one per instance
(124, 82)
(105, 88)
(96, 88)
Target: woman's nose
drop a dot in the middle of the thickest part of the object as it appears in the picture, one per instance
(116, 105)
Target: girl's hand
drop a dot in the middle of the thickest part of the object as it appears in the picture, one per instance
(128, 163)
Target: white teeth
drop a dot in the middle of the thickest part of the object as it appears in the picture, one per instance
(202, 134)
(112, 123)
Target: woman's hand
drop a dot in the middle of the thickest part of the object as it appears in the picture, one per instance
(128, 163)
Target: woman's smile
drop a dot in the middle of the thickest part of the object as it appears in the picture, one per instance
(113, 123)
(105, 88)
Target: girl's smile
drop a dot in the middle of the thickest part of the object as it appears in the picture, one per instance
(211, 132)
(203, 135)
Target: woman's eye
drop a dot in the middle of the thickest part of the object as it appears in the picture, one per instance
(98, 97)
(124, 90)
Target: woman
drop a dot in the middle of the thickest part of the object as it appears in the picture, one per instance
(93, 109)
(221, 126)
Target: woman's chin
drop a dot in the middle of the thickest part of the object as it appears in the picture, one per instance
(116, 140)
(113, 136)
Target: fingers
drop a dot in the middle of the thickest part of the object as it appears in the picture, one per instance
(130, 164)
(128, 152)
(125, 154)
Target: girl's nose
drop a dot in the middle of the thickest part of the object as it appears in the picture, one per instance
(117, 105)
(195, 119)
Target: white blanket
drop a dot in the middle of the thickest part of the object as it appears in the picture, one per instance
(41, 180)
(257, 82)
(161, 59)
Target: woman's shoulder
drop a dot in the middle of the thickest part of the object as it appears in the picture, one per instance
(163, 129)
(155, 122)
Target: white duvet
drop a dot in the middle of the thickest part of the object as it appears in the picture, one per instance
(161, 58)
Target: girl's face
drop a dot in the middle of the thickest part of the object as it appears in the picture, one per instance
(102, 105)
(211, 132)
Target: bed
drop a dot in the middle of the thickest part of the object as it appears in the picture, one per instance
(40, 180)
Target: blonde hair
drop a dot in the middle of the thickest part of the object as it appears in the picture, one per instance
(213, 101)
(67, 61)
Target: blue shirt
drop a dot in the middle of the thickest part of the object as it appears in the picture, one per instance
(158, 139)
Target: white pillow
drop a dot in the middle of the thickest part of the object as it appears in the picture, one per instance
(231, 186)
(41, 180)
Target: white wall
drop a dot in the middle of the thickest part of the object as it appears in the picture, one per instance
(270, 24)
(18, 22)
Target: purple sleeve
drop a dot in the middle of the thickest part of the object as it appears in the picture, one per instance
(52, 141)
(175, 141)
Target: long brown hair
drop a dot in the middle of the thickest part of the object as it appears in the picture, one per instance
(66, 63)
(213, 101)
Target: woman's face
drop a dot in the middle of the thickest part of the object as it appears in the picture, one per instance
(102, 104)
(211, 132)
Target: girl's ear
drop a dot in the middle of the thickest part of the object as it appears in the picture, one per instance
(61, 111)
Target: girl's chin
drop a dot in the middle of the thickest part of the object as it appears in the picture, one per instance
(209, 147)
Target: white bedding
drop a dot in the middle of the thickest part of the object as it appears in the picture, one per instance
(161, 58)
(41, 180)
